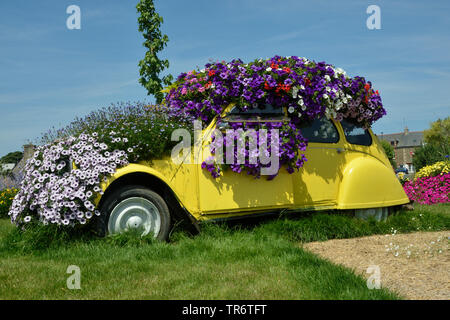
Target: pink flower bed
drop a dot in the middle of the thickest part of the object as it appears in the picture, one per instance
(429, 190)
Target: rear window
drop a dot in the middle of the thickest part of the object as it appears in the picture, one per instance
(320, 130)
(355, 134)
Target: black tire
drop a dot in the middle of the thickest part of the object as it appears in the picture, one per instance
(132, 191)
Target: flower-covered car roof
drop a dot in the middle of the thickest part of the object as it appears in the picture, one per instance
(307, 88)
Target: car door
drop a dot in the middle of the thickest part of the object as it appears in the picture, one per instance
(239, 192)
(316, 184)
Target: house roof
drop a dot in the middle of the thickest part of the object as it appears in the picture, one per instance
(404, 139)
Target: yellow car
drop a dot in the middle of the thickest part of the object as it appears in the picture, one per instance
(347, 169)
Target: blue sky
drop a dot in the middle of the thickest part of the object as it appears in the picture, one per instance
(50, 74)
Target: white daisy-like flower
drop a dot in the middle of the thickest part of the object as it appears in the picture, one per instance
(291, 109)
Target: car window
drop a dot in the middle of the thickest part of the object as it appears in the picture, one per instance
(320, 130)
(355, 134)
(266, 109)
(261, 113)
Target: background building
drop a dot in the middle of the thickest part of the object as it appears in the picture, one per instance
(404, 144)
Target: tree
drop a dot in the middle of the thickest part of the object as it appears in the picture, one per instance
(437, 147)
(151, 66)
(12, 157)
(430, 154)
(389, 150)
(439, 132)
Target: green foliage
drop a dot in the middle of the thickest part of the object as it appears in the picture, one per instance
(321, 226)
(222, 262)
(12, 157)
(36, 238)
(439, 133)
(429, 154)
(151, 66)
(235, 264)
(389, 150)
(6, 198)
(146, 128)
(437, 147)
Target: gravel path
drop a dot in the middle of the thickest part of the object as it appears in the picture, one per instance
(415, 265)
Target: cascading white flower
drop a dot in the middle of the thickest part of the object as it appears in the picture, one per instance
(62, 180)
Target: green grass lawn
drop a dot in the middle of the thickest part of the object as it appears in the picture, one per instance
(257, 261)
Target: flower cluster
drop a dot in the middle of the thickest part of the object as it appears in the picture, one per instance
(287, 151)
(62, 180)
(438, 168)
(402, 178)
(6, 198)
(429, 190)
(306, 89)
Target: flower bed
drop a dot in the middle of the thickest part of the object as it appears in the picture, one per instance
(306, 88)
(6, 199)
(438, 168)
(430, 185)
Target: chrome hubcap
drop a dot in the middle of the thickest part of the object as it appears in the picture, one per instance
(137, 214)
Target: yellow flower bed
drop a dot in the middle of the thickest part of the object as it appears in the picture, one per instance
(6, 198)
(439, 168)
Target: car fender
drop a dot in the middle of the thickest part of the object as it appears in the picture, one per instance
(134, 168)
(368, 183)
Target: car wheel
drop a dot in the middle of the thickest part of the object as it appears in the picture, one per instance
(380, 214)
(135, 208)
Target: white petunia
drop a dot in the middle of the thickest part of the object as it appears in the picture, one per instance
(291, 109)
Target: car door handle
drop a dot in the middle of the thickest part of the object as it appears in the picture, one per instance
(340, 150)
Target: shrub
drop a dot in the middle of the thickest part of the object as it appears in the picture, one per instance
(429, 154)
(146, 129)
(6, 199)
(389, 150)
